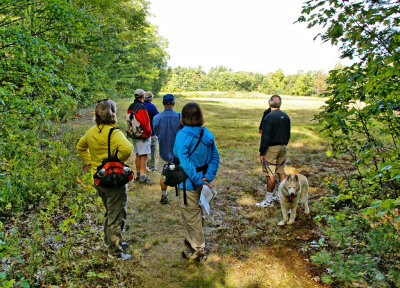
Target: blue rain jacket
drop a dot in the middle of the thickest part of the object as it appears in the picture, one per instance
(205, 153)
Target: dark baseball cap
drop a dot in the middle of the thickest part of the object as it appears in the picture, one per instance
(168, 99)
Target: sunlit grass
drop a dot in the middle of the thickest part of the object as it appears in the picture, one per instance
(156, 233)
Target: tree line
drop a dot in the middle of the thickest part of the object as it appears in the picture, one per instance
(221, 78)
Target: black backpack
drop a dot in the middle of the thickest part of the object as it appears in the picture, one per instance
(173, 174)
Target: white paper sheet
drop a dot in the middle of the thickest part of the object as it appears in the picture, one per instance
(206, 196)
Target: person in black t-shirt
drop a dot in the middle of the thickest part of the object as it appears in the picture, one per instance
(266, 112)
(275, 135)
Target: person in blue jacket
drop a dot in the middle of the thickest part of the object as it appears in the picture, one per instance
(201, 167)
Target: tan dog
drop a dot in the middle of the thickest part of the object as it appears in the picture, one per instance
(290, 191)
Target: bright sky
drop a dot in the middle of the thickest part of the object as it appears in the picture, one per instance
(250, 35)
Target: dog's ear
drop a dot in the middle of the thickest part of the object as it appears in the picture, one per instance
(296, 178)
(288, 177)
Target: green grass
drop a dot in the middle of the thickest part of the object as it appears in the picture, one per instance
(237, 232)
(246, 248)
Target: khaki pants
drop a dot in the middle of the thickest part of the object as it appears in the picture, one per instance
(115, 202)
(192, 218)
(151, 161)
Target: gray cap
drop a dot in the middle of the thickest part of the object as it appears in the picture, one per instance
(148, 96)
(139, 93)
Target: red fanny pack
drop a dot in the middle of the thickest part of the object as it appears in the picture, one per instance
(112, 172)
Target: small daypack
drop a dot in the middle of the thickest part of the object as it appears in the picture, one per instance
(112, 172)
(133, 128)
(173, 174)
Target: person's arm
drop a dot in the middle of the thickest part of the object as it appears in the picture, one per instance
(83, 149)
(265, 136)
(213, 165)
(144, 121)
(130, 109)
(156, 125)
(289, 131)
(266, 112)
(181, 150)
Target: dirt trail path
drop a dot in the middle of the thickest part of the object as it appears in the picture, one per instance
(246, 248)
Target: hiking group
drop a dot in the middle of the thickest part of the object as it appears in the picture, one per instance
(180, 137)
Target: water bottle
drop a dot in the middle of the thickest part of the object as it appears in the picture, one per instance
(101, 172)
(127, 170)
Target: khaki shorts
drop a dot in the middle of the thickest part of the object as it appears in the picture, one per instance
(275, 155)
(142, 146)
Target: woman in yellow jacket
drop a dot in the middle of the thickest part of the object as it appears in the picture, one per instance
(93, 147)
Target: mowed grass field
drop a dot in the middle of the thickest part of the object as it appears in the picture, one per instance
(246, 247)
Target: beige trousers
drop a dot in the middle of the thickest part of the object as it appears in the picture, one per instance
(192, 219)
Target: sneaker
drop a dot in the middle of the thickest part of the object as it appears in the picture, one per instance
(146, 181)
(123, 256)
(265, 203)
(137, 178)
(153, 170)
(276, 197)
(164, 199)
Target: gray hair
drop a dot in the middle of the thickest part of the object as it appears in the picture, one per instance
(275, 101)
(106, 112)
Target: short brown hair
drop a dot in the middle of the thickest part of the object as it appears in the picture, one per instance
(105, 112)
(275, 101)
(192, 115)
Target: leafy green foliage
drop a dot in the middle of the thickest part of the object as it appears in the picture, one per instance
(223, 79)
(361, 118)
(57, 56)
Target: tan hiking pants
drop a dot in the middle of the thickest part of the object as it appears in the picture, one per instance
(192, 219)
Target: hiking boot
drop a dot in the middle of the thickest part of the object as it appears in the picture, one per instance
(123, 256)
(137, 178)
(164, 199)
(197, 255)
(146, 181)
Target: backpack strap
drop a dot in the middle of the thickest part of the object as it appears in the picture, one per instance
(109, 138)
(198, 142)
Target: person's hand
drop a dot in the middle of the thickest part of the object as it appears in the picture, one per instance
(259, 132)
(262, 159)
(86, 168)
(207, 184)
